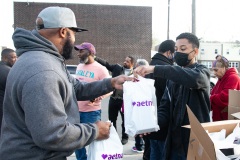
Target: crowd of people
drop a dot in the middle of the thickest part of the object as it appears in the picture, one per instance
(40, 109)
(48, 114)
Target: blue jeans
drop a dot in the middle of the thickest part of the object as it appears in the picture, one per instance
(157, 147)
(87, 117)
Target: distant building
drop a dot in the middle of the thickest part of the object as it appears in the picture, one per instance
(209, 50)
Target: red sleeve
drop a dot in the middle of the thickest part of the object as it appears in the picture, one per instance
(221, 98)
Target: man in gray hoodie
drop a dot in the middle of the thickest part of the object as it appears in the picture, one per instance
(40, 112)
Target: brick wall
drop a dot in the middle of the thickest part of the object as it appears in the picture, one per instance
(115, 31)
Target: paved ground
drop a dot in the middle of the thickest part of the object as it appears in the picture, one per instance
(128, 153)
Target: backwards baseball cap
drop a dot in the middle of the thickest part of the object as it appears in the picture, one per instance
(58, 17)
(86, 45)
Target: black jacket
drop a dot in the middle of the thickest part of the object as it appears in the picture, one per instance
(191, 86)
(116, 70)
(4, 70)
(160, 84)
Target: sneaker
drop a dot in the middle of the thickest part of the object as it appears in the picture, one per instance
(137, 150)
(124, 141)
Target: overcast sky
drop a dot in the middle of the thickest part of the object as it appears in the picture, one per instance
(216, 20)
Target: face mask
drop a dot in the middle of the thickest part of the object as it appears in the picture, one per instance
(182, 58)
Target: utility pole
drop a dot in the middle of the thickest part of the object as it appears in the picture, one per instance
(168, 19)
(193, 17)
(221, 49)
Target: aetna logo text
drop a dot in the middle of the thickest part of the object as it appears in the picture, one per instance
(112, 156)
(143, 103)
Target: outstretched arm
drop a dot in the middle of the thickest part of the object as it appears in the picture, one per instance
(86, 91)
(104, 63)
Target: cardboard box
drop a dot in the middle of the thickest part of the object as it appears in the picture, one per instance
(201, 146)
(233, 103)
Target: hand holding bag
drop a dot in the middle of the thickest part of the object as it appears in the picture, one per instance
(110, 148)
(140, 110)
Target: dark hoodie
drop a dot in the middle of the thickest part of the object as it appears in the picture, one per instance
(160, 84)
(191, 86)
(4, 70)
(40, 111)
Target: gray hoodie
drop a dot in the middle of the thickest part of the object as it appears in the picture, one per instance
(41, 118)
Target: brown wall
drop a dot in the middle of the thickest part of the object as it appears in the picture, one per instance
(115, 31)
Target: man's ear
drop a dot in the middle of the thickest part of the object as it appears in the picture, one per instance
(63, 32)
(4, 59)
(196, 51)
(169, 53)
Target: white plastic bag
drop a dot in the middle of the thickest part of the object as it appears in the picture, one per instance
(110, 148)
(220, 142)
(140, 110)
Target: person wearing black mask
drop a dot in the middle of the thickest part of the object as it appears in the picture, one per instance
(188, 84)
(163, 57)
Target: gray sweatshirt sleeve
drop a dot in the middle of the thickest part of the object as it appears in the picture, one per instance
(51, 114)
(87, 91)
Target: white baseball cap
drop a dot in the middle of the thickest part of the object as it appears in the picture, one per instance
(58, 17)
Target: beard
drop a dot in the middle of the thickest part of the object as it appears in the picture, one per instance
(10, 64)
(84, 59)
(125, 66)
(67, 48)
